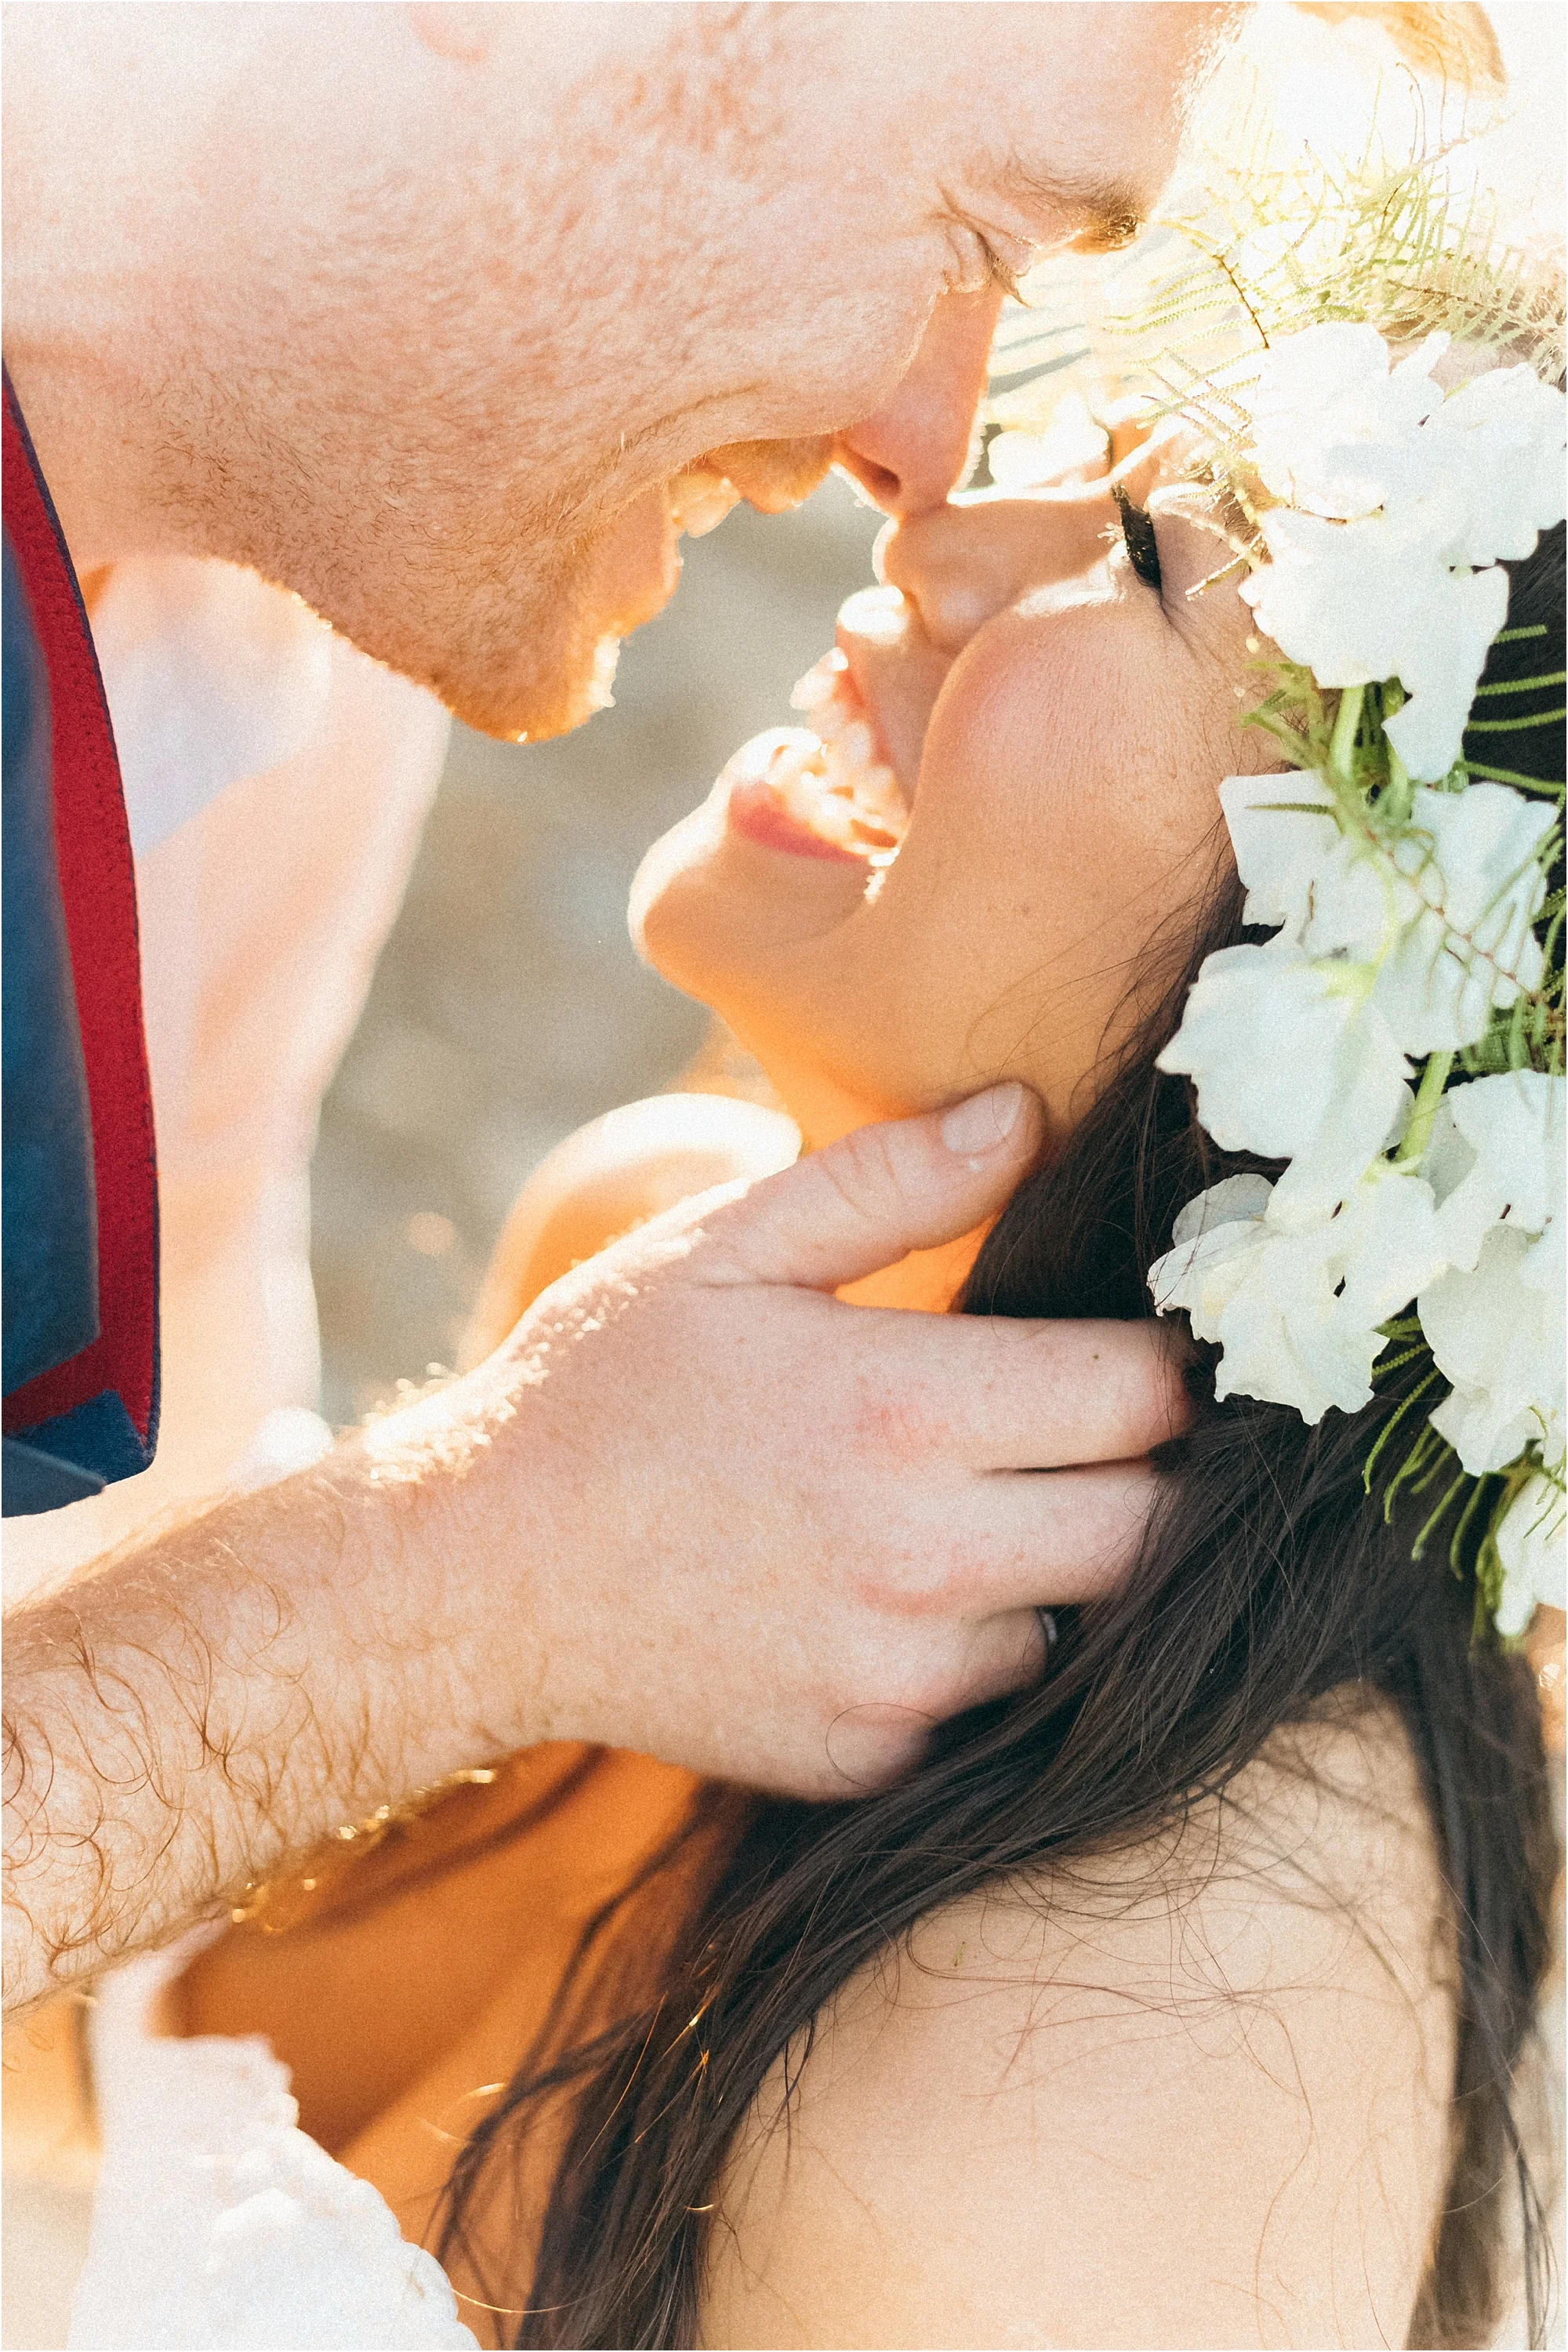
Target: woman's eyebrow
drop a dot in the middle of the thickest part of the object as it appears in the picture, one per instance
(1106, 213)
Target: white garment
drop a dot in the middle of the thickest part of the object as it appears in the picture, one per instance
(261, 913)
(210, 675)
(276, 813)
(218, 2223)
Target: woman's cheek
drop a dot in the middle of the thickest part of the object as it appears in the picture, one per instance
(1034, 847)
(1010, 806)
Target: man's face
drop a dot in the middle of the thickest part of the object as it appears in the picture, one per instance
(599, 252)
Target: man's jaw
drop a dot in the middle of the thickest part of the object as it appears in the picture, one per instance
(563, 628)
(620, 577)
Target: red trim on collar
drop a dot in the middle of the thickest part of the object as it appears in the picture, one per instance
(98, 883)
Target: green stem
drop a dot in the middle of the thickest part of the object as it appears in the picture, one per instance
(1398, 798)
(1347, 719)
(1517, 726)
(1524, 685)
(1511, 776)
(1428, 1095)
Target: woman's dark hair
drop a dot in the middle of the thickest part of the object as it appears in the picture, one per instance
(1268, 1582)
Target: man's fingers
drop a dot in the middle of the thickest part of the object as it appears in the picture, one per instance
(995, 1392)
(1052, 1540)
(1043, 1396)
(1059, 1539)
(871, 1198)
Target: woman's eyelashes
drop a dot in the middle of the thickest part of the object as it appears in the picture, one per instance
(1138, 534)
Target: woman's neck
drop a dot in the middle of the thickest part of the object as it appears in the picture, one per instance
(927, 1280)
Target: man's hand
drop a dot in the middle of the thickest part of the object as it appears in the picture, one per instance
(778, 1537)
(694, 1505)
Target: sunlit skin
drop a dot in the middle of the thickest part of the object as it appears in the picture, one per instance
(1061, 727)
(431, 314)
(1077, 725)
(443, 398)
(1035, 657)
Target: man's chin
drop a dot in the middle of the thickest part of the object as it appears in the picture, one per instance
(558, 671)
(549, 700)
(773, 476)
(561, 666)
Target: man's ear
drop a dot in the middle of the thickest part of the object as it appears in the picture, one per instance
(448, 29)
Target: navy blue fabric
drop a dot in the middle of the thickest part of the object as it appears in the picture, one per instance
(31, 1482)
(47, 1210)
(77, 1453)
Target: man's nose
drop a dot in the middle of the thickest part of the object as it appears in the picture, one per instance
(910, 453)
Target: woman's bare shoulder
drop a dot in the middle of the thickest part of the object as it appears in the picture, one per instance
(1194, 2094)
(613, 1174)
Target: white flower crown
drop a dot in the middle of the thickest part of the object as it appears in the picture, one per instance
(1415, 942)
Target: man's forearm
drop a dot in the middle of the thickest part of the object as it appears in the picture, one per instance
(693, 1506)
(185, 1717)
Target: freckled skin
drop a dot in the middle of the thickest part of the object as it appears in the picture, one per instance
(432, 364)
(1066, 813)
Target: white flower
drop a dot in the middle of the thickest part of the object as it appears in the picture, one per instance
(1496, 448)
(1394, 494)
(1297, 1309)
(1497, 1150)
(1359, 602)
(1404, 925)
(1442, 909)
(1299, 868)
(1532, 1548)
(1497, 1335)
(1471, 888)
(1340, 431)
(1329, 413)
(1495, 1320)
(1292, 1062)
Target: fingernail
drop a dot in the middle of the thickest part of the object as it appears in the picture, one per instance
(985, 1121)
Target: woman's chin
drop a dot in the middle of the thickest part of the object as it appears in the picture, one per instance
(720, 898)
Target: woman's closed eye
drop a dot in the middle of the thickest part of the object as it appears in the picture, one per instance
(1138, 537)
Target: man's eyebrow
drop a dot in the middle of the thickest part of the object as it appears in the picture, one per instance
(1108, 213)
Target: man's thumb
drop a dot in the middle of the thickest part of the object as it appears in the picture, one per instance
(867, 1201)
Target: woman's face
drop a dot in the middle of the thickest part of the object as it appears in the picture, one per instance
(1055, 727)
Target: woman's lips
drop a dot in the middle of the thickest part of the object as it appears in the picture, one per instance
(765, 796)
(820, 791)
(841, 788)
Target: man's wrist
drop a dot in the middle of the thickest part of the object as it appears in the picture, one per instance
(182, 1721)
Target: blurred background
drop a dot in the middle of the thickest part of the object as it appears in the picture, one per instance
(509, 1005)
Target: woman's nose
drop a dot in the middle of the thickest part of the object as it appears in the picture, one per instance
(910, 453)
(965, 563)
